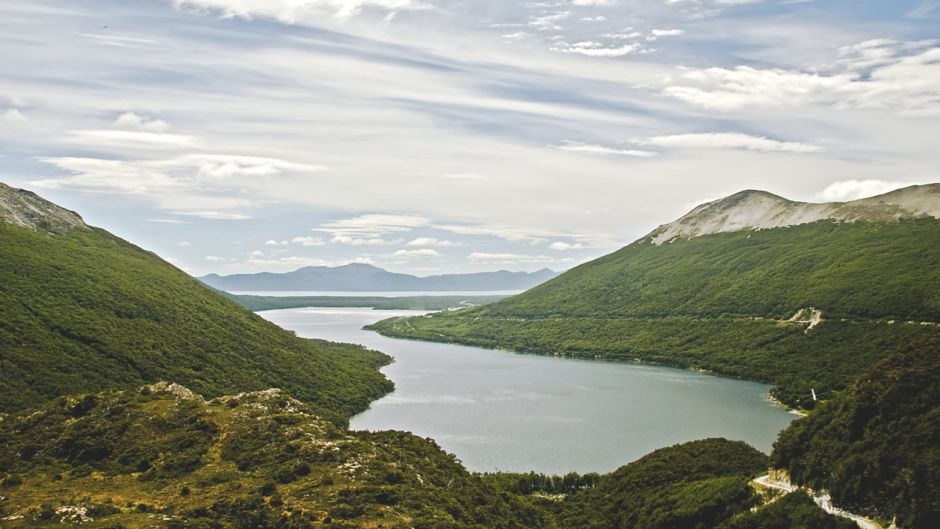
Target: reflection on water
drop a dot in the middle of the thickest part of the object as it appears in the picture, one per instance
(504, 411)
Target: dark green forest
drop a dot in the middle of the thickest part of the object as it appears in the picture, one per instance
(876, 445)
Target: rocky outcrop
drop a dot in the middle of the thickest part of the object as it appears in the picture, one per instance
(755, 210)
(27, 209)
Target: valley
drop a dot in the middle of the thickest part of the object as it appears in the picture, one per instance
(140, 396)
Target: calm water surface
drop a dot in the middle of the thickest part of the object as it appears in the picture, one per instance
(504, 411)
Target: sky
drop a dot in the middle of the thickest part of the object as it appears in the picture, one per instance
(438, 136)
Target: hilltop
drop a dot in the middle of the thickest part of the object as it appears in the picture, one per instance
(760, 210)
(360, 277)
(84, 310)
(26, 209)
(735, 302)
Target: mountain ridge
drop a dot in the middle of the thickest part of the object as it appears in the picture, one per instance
(756, 209)
(362, 277)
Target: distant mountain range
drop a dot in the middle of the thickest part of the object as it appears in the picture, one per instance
(358, 277)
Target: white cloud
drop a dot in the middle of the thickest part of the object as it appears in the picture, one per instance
(167, 221)
(431, 241)
(505, 258)
(731, 140)
(549, 21)
(200, 185)
(136, 121)
(184, 244)
(409, 254)
(14, 116)
(571, 146)
(346, 240)
(563, 246)
(847, 190)
(308, 241)
(372, 225)
(597, 49)
(214, 215)
(294, 11)
(924, 9)
(657, 33)
(878, 74)
(130, 139)
(465, 176)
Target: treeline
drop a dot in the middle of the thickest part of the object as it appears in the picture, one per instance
(826, 359)
(532, 482)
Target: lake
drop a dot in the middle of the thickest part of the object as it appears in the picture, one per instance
(503, 411)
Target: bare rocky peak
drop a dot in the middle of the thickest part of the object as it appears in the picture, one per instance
(25, 208)
(755, 210)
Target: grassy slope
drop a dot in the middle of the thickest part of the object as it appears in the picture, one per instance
(717, 302)
(264, 460)
(85, 310)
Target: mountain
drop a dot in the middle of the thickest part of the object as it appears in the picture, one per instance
(808, 305)
(357, 277)
(760, 210)
(83, 310)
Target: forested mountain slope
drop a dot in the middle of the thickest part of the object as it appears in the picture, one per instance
(84, 310)
(807, 306)
(876, 445)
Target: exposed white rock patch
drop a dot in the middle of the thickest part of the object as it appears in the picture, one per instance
(757, 210)
(811, 316)
(73, 514)
(27, 209)
(176, 390)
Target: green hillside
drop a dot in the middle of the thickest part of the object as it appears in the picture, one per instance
(161, 456)
(721, 303)
(84, 310)
(876, 446)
